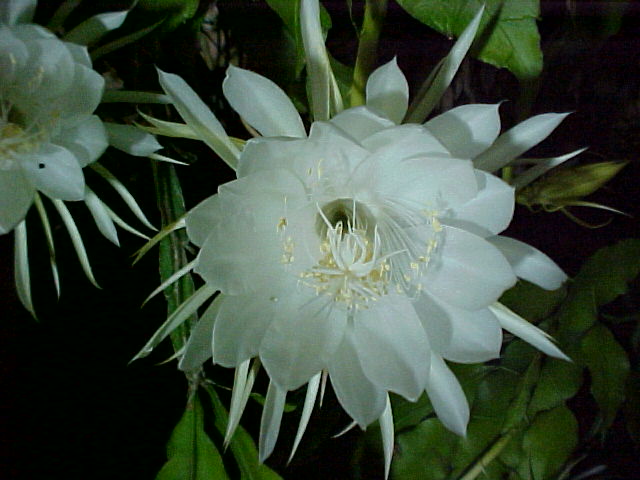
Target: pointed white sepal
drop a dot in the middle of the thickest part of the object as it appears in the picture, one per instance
(447, 397)
(518, 140)
(93, 29)
(541, 167)
(270, 421)
(101, 216)
(199, 346)
(198, 116)
(387, 432)
(131, 140)
(307, 409)
(21, 267)
(515, 324)
(530, 263)
(440, 78)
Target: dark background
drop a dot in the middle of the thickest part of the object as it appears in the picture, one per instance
(70, 405)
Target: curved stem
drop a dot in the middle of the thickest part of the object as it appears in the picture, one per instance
(374, 13)
(487, 457)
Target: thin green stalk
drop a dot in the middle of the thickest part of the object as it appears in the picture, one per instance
(487, 457)
(374, 13)
(172, 248)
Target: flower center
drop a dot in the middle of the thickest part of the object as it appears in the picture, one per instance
(351, 270)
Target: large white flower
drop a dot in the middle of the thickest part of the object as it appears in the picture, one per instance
(48, 92)
(366, 250)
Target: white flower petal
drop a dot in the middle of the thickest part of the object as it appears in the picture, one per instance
(360, 398)
(101, 216)
(262, 104)
(430, 182)
(13, 55)
(530, 263)
(387, 432)
(301, 339)
(240, 325)
(309, 402)
(458, 334)
(16, 196)
(388, 91)
(131, 140)
(447, 397)
(55, 171)
(489, 212)
(471, 273)
(404, 141)
(392, 346)
(360, 122)
(87, 140)
(94, 28)
(468, 130)
(528, 332)
(202, 218)
(518, 140)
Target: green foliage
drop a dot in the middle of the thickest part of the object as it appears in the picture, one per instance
(509, 36)
(175, 12)
(520, 426)
(191, 453)
(608, 367)
(242, 445)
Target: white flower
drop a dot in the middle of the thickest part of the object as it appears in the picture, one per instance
(48, 133)
(367, 250)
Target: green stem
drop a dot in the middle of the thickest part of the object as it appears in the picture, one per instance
(374, 13)
(487, 457)
(172, 248)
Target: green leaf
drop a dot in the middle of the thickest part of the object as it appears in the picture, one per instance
(408, 414)
(508, 27)
(242, 445)
(532, 302)
(610, 270)
(424, 452)
(548, 443)
(559, 380)
(191, 453)
(608, 366)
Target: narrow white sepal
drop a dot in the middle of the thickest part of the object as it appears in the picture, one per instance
(179, 316)
(162, 158)
(131, 140)
(168, 129)
(91, 30)
(17, 11)
(387, 432)
(239, 396)
(541, 167)
(198, 117)
(171, 280)
(515, 324)
(530, 263)
(239, 399)
(76, 239)
(518, 140)
(124, 225)
(323, 386)
(447, 397)
(346, 429)
(119, 187)
(48, 234)
(21, 267)
(324, 91)
(199, 346)
(270, 421)
(307, 409)
(101, 216)
(440, 79)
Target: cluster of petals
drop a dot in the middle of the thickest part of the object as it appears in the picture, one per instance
(365, 250)
(48, 133)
